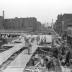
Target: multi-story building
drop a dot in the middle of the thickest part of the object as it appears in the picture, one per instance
(28, 24)
(62, 23)
(1, 22)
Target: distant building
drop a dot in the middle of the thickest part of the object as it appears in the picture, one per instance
(69, 36)
(1, 22)
(29, 24)
(62, 23)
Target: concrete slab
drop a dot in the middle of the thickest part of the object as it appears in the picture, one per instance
(20, 62)
(6, 54)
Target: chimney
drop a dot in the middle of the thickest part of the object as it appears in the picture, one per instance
(3, 14)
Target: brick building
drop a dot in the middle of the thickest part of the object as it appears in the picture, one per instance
(1, 22)
(28, 24)
(62, 23)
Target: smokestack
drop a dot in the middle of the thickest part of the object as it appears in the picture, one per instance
(3, 18)
(3, 14)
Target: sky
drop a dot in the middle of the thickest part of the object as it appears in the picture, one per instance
(43, 10)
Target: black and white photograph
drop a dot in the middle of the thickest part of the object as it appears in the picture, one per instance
(35, 35)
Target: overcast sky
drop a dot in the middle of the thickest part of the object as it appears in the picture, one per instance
(43, 10)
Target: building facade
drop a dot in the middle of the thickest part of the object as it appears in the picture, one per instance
(62, 23)
(28, 24)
